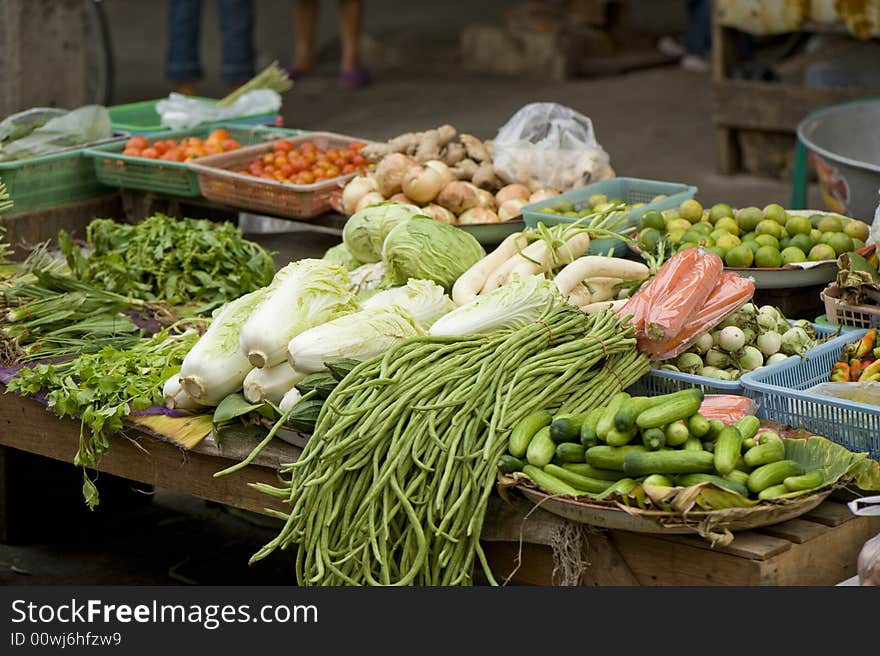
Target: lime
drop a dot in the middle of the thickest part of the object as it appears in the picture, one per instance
(748, 218)
(783, 233)
(727, 223)
(784, 243)
(572, 214)
(767, 240)
(649, 238)
(678, 224)
(841, 243)
(752, 245)
(718, 234)
(830, 224)
(774, 212)
(549, 210)
(801, 241)
(826, 237)
(815, 218)
(675, 236)
(658, 197)
(616, 200)
(720, 210)
(597, 199)
(815, 236)
(563, 206)
(693, 236)
(739, 256)
(857, 244)
(720, 252)
(727, 242)
(749, 236)
(856, 229)
(821, 252)
(653, 219)
(767, 256)
(703, 227)
(691, 210)
(769, 227)
(668, 215)
(793, 254)
(798, 225)
(687, 244)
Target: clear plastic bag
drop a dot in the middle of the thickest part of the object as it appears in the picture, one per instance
(860, 392)
(80, 126)
(179, 111)
(551, 145)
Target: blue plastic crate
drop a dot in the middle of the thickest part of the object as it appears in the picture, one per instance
(780, 392)
(662, 381)
(631, 190)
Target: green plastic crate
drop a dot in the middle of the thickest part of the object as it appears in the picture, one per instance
(54, 179)
(114, 169)
(141, 118)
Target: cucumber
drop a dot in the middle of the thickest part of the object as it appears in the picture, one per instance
(566, 428)
(773, 491)
(588, 427)
(715, 427)
(668, 462)
(748, 426)
(615, 438)
(677, 433)
(341, 367)
(693, 444)
(606, 421)
(709, 446)
(742, 466)
(812, 479)
(304, 415)
(541, 449)
(698, 425)
(525, 429)
(679, 405)
(568, 452)
(507, 464)
(738, 476)
(748, 443)
(610, 457)
(686, 480)
(727, 448)
(592, 485)
(589, 471)
(658, 479)
(653, 438)
(549, 483)
(622, 487)
(625, 419)
(773, 473)
(770, 448)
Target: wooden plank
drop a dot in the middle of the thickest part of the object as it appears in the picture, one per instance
(665, 562)
(829, 513)
(729, 153)
(747, 544)
(795, 530)
(530, 564)
(771, 106)
(825, 560)
(26, 425)
(724, 48)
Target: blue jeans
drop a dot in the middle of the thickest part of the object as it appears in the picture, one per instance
(236, 32)
(698, 38)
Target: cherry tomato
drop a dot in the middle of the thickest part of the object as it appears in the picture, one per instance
(282, 145)
(137, 142)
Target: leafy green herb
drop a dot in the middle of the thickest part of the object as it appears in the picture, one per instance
(173, 260)
(105, 387)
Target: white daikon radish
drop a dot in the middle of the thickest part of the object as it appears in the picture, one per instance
(302, 295)
(215, 367)
(270, 383)
(598, 266)
(614, 306)
(573, 247)
(176, 397)
(471, 281)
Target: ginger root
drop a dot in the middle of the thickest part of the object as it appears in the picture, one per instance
(475, 148)
(453, 153)
(422, 146)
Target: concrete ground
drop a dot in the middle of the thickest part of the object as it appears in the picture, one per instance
(654, 124)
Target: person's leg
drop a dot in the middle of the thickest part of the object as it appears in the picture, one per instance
(305, 26)
(350, 21)
(237, 33)
(698, 38)
(182, 66)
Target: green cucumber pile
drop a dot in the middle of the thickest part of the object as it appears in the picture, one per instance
(659, 440)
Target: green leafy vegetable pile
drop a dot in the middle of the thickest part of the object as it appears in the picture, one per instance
(174, 260)
(103, 388)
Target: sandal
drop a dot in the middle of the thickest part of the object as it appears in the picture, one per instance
(355, 79)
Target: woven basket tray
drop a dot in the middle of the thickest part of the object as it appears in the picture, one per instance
(220, 183)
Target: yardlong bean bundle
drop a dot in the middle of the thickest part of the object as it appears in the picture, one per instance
(393, 485)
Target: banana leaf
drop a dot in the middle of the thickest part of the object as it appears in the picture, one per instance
(835, 461)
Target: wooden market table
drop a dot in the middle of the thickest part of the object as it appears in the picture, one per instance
(820, 548)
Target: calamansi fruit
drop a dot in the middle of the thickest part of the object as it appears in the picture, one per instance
(821, 252)
(691, 210)
(739, 256)
(768, 257)
(793, 255)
